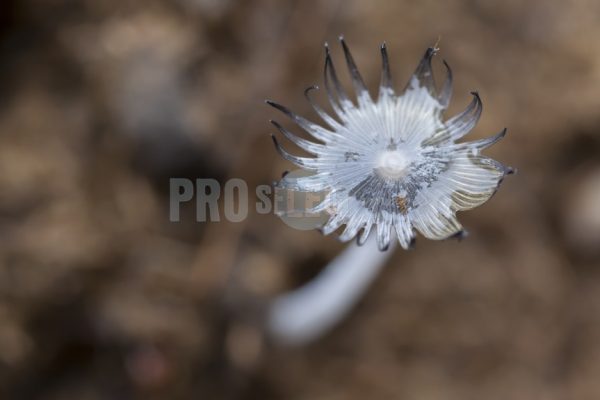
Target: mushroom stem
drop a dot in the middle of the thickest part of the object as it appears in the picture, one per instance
(303, 315)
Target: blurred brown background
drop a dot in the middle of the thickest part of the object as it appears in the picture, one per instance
(101, 297)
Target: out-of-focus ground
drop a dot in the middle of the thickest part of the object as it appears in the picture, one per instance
(101, 297)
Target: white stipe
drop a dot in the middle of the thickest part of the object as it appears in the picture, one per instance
(305, 314)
